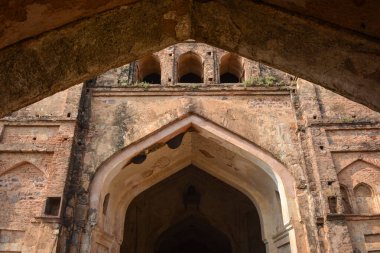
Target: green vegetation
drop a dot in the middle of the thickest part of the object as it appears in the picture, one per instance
(195, 86)
(262, 81)
(122, 82)
(345, 119)
(144, 85)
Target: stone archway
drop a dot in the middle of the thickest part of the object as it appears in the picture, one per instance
(340, 60)
(191, 211)
(222, 154)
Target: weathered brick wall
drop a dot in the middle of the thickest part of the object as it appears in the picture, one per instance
(344, 141)
(35, 148)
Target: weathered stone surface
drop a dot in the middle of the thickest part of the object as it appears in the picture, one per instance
(35, 149)
(54, 61)
(345, 62)
(307, 158)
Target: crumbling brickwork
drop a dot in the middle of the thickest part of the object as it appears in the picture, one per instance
(317, 190)
(35, 149)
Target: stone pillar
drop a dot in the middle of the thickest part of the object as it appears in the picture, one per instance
(209, 67)
(167, 63)
(333, 233)
(251, 69)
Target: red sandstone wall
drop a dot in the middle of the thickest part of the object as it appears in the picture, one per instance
(35, 145)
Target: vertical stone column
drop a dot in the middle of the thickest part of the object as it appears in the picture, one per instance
(167, 63)
(209, 67)
(251, 69)
(332, 231)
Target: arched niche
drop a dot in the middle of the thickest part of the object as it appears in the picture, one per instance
(355, 178)
(149, 69)
(190, 68)
(258, 175)
(231, 68)
(22, 195)
(364, 198)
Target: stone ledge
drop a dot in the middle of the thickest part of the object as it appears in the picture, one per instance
(26, 148)
(48, 219)
(199, 91)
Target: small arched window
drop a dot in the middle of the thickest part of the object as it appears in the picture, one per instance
(149, 70)
(364, 199)
(190, 68)
(231, 69)
(345, 200)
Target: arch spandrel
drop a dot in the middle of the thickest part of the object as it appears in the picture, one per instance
(269, 127)
(271, 168)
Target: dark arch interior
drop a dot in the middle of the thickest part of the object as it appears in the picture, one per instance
(231, 68)
(193, 234)
(190, 68)
(192, 211)
(152, 78)
(149, 70)
(190, 78)
(229, 78)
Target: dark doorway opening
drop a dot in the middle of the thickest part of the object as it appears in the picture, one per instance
(229, 78)
(192, 211)
(191, 235)
(152, 78)
(190, 78)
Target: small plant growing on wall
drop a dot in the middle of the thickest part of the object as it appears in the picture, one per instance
(269, 80)
(122, 82)
(195, 86)
(248, 82)
(345, 119)
(260, 81)
(144, 85)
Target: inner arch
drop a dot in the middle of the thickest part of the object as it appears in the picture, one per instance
(192, 211)
(193, 234)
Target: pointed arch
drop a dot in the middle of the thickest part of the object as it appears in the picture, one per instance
(136, 178)
(19, 164)
(190, 68)
(231, 68)
(357, 162)
(22, 188)
(364, 197)
(149, 69)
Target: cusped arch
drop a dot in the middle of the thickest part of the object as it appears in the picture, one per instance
(365, 198)
(270, 166)
(363, 190)
(190, 68)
